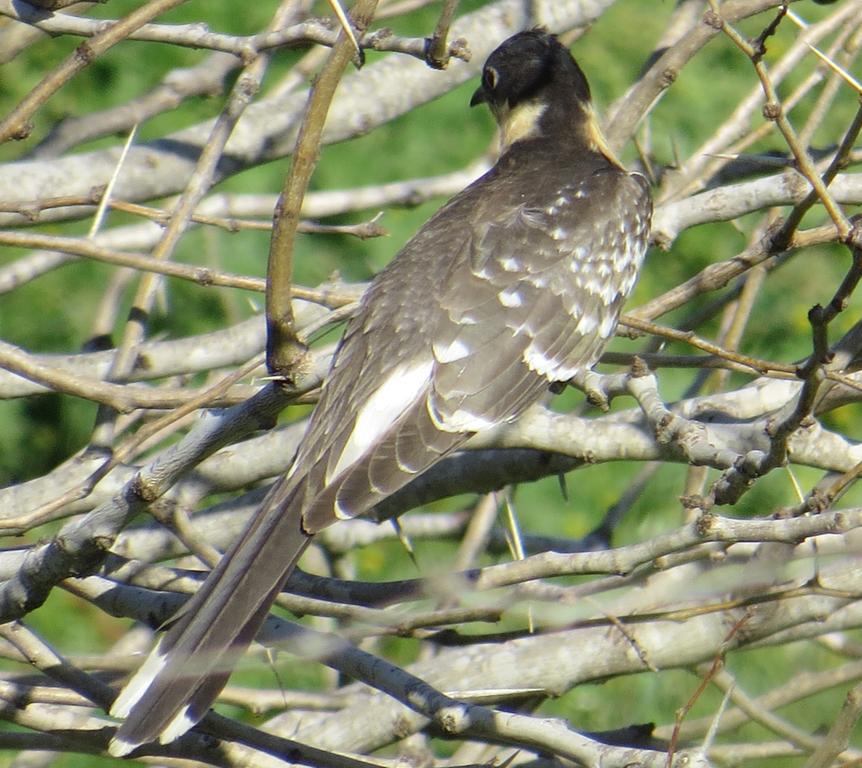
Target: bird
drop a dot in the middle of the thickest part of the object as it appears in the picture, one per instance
(512, 288)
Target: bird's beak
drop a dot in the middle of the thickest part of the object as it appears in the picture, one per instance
(478, 97)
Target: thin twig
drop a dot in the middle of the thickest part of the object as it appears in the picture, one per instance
(284, 352)
(17, 124)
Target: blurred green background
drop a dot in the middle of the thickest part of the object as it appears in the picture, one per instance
(55, 312)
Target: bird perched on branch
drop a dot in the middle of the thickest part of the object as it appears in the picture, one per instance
(512, 287)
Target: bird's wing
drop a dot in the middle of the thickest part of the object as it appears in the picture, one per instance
(529, 296)
(371, 432)
(539, 301)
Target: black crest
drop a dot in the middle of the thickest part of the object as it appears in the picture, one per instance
(527, 64)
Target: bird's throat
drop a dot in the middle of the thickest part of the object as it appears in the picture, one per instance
(532, 119)
(520, 122)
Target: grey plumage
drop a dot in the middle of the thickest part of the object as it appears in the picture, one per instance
(516, 283)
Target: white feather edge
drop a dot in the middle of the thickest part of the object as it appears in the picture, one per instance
(180, 723)
(398, 391)
(138, 684)
(132, 693)
(120, 747)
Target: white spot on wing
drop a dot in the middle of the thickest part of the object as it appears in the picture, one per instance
(447, 353)
(608, 292)
(628, 282)
(553, 369)
(606, 329)
(460, 420)
(463, 420)
(587, 324)
(395, 394)
(510, 297)
(138, 685)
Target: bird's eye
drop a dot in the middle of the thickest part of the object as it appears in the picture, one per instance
(490, 78)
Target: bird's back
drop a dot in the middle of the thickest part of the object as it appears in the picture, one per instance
(515, 283)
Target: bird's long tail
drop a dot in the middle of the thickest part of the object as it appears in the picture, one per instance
(191, 664)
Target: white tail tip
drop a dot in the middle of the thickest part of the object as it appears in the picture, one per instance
(137, 686)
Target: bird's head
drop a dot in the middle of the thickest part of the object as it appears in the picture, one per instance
(534, 87)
